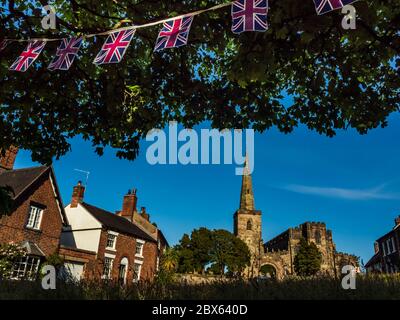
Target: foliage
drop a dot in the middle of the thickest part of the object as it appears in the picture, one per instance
(55, 260)
(369, 287)
(168, 266)
(334, 78)
(307, 261)
(219, 250)
(229, 252)
(9, 253)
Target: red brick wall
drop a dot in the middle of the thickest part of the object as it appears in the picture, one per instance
(125, 248)
(12, 228)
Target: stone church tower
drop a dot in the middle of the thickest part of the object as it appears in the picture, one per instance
(247, 224)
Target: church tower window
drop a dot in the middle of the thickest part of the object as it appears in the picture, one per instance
(249, 225)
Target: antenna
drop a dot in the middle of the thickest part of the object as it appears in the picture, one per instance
(87, 175)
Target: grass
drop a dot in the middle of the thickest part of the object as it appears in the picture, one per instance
(368, 288)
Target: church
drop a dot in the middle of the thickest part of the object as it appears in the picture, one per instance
(279, 253)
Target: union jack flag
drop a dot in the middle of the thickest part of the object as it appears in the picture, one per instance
(324, 6)
(174, 34)
(114, 48)
(4, 44)
(28, 56)
(66, 54)
(249, 15)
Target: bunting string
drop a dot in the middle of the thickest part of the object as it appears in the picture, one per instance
(247, 16)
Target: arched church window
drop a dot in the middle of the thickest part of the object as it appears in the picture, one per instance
(249, 225)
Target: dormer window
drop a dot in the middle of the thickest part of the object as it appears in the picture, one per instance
(34, 217)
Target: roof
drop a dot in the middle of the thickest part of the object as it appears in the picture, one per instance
(374, 260)
(19, 180)
(112, 221)
(32, 249)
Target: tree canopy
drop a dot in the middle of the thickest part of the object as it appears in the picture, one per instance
(305, 69)
(218, 251)
(308, 259)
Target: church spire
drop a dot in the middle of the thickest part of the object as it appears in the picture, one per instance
(247, 196)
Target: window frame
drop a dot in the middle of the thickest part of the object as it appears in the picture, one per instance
(112, 234)
(25, 274)
(110, 267)
(39, 210)
(142, 243)
(136, 275)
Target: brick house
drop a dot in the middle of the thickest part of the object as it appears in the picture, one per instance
(101, 245)
(37, 217)
(387, 252)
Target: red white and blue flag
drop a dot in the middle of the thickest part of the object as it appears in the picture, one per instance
(174, 34)
(324, 6)
(249, 15)
(66, 54)
(3, 44)
(28, 56)
(114, 48)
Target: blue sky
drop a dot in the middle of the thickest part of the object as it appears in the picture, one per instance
(350, 182)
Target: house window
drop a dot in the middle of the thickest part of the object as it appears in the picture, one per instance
(384, 248)
(111, 240)
(139, 248)
(123, 267)
(26, 268)
(137, 268)
(158, 264)
(34, 218)
(108, 263)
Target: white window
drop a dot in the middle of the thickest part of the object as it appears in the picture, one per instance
(34, 218)
(158, 264)
(139, 248)
(111, 240)
(384, 248)
(137, 268)
(108, 263)
(26, 268)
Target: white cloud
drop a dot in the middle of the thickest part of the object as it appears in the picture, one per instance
(376, 193)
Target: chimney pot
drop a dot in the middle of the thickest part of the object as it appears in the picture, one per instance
(77, 195)
(7, 161)
(397, 221)
(129, 205)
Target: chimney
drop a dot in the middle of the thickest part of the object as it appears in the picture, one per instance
(77, 195)
(7, 160)
(376, 247)
(129, 205)
(397, 221)
(144, 214)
